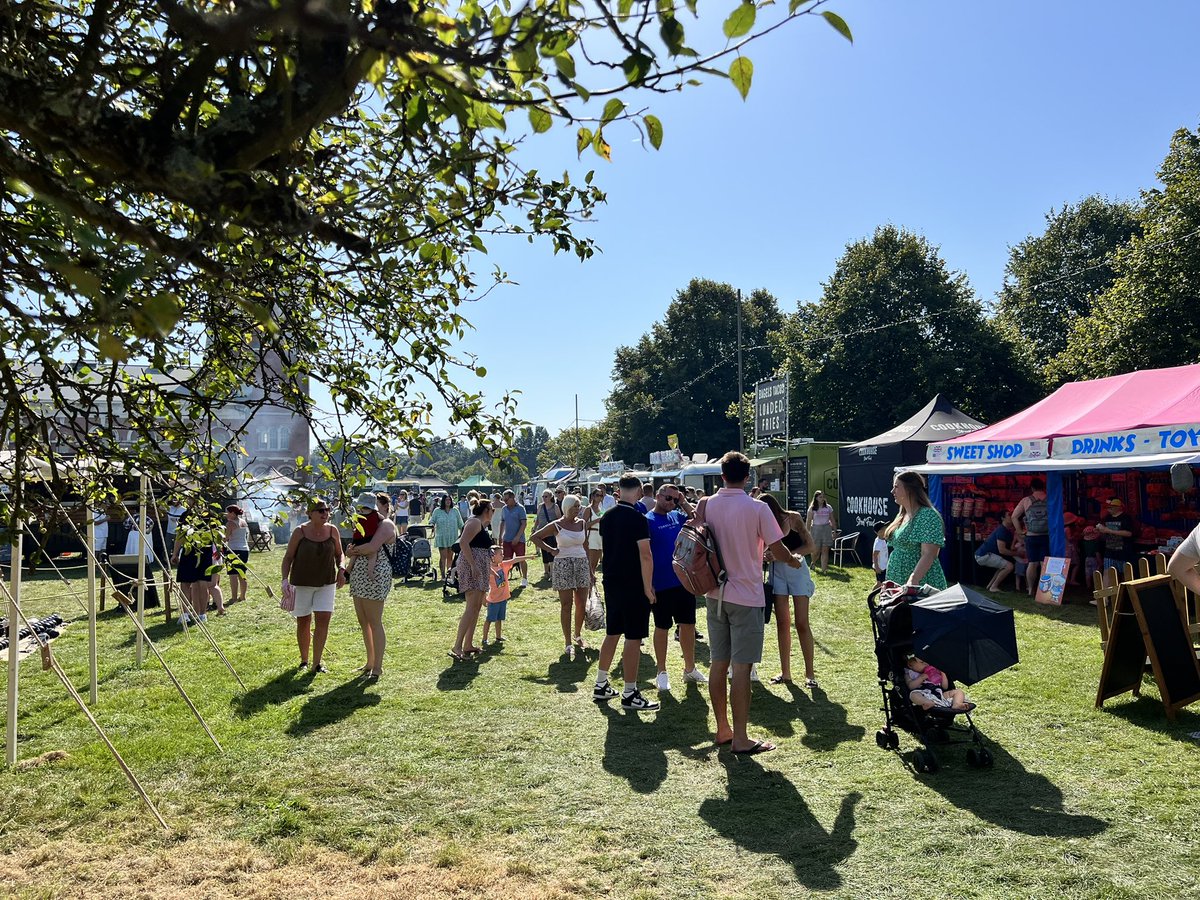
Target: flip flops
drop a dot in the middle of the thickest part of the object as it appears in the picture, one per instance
(756, 748)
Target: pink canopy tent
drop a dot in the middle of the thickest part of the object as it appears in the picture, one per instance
(1120, 403)
(1141, 420)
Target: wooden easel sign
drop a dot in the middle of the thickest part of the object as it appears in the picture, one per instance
(1147, 622)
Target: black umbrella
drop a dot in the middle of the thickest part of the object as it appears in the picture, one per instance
(966, 635)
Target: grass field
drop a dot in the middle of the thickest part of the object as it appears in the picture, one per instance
(500, 778)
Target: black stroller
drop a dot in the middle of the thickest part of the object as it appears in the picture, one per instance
(450, 586)
(891, 622)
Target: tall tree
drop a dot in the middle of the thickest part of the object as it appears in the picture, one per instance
(893, 327)
(529, 444)
(681, 377)
(585, 446)
(1150, 317)
(1054, 278)
(300, 181)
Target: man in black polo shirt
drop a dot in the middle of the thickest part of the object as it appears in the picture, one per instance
(628, 591)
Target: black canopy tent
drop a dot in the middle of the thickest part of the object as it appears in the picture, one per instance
(866, 468)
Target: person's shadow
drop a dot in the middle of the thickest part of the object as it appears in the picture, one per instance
(764, 813)
(1027, 802)
(636, 745)
(289, 683)
(332, 706)
(566, 675)
(460, 673)
(825, 722)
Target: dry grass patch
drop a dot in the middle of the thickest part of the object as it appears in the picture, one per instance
(220, 869)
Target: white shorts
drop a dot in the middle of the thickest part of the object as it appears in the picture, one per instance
(314, 599)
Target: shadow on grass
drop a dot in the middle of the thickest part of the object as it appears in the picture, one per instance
(825, 722)
(1147, 712)
(332, 706)
(459, 674)
(289, 683)
(636, 744)
(566, 675)
(765, 813)
(1012, 797)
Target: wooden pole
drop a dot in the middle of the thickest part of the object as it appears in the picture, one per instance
(141, 566)
(93, 693)
(14, 646)
(74, 694)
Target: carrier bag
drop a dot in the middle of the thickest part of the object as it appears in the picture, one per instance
(697, 559)
(287, 596)
(593, 613)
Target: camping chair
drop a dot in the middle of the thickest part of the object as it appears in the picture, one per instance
(846, 544)
(259, 539)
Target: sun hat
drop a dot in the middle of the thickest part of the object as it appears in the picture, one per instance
(366, 500)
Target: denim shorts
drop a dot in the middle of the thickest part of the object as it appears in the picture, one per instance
(497, 612)
(790, 582)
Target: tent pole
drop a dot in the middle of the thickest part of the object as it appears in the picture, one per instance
(141, 566)
(93, 695)
(14, 648)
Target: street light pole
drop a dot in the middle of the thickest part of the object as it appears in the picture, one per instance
(741, 392)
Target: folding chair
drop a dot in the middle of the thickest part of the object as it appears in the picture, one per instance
(259, 539)
(846, 544)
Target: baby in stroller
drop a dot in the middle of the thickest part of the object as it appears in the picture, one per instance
(929, 688)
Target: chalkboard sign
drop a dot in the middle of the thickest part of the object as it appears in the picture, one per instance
(1161, 634)
(797, 483)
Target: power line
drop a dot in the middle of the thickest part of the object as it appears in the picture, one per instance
(1107, 263)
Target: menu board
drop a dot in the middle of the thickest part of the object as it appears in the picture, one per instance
(797, 483)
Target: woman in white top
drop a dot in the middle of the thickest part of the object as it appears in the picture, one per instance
(570, 575)
(237, 545)
(591, 521)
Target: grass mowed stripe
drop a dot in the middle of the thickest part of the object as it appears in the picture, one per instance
(499, 776)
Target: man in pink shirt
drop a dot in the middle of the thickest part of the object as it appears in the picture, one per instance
(743, 527)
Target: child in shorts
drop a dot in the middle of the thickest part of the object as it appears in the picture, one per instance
(879, 553)
(499, 592)
(929, 688)
(1020, 563)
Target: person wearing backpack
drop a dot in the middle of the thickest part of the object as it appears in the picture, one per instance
(1031, 521)
(675, 605)
(741, 527)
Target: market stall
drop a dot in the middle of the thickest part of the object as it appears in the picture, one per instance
(866, 468)
(1091, 441)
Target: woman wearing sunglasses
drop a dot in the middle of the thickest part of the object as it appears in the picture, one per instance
(313, 564)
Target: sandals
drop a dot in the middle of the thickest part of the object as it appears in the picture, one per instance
(811, 683)
(453, 654)
(779, 679)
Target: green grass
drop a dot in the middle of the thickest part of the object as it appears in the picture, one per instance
(502, 778)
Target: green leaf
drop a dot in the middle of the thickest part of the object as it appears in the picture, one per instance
(481, 372)
(654, 131)
(378, 70)
(565, 63)
(795, 5)
(741, 20)
(163, 311)
(623, 8)
(584, 138)
(839, 25)
(601, 146)
(540, 119)
(636, 66)
(612, 109)
(671, 32)
(741, 73)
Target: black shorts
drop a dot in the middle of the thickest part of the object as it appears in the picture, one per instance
(238, 561)
(627, 612)
(674, 606)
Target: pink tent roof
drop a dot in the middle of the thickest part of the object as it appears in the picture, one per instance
(1122, 402)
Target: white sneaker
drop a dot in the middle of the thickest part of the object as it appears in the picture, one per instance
(695, 676)
(524, 582)
(754, 673)
(663, 681)
(203, 617)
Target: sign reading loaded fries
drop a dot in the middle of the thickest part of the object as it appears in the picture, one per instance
(770, 409)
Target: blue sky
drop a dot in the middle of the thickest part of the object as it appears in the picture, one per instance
(963, 121)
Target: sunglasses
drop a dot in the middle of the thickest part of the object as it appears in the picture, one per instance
(321, 509)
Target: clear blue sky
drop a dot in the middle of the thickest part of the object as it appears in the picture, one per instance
(963, 121)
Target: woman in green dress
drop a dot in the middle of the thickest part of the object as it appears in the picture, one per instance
(915, 536)
(447, 523)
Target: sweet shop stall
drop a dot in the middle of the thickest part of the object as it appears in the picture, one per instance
(1133, 437)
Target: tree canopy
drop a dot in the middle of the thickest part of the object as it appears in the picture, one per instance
(1149, 317)
(1054, 278)
(295, 193)
(681, 376)
(894, 325)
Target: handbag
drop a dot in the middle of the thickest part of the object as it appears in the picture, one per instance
(287, 596)
(593, 613)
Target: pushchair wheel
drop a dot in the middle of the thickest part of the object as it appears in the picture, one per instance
(893, 740)
(881, 739)
(979, 758)
(925, 761)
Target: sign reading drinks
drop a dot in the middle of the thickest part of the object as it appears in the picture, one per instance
(1134, 442)
(988, 451)
(770, 409)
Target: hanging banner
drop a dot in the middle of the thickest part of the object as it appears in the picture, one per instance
(770, 409)
(988, 451)
(1134, 442)
(612, 467)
